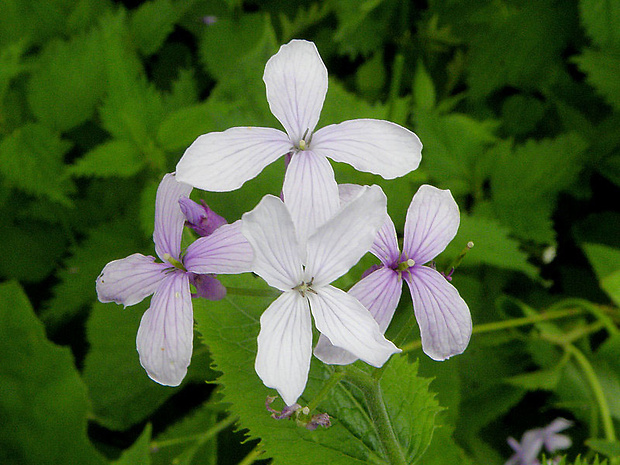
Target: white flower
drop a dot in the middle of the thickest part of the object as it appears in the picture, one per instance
(296, 82)
(303, 273)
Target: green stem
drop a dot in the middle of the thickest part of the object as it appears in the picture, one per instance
(333, 380)
(513, 323)
(610, 326)
(597, 389)
(371, 389)
(203, 437)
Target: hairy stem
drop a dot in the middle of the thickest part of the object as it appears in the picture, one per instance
(371, 389)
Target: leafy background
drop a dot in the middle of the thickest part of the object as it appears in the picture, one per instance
(518, 106)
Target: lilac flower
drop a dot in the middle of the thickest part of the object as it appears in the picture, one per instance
(303, 274)
(296, 82)
(165, 336)
(200, 217)
(443, 316)
(532, 442)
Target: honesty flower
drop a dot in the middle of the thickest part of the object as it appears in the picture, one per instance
(165, 336)
(296, 82)
(443, 316)
(532, 442)
(304, 274)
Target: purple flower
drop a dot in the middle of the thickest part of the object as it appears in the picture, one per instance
(200, 217)
(296, 83)
(443, 316)
(303, 273)
(165, 336)
(532, 442)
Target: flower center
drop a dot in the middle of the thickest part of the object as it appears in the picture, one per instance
(305, 140)
(304, 287)
(404, 266)
(174, 262)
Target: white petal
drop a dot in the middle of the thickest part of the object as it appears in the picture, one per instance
(169, 218)
(348, 325)
(442, 314)
(296, 81)
(380, 293)
(339, 244)
(166, 332)
(285, 346)
(129, 280)
(432, 222)
(225, 251)
(385, 246)
(270, 231)
(375, 146)
(310, 193)
(223, 161)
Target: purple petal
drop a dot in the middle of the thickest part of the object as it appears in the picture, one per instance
(348, 325)
(166, 332)
(442, 314)
(207, 286)
(285, 346)
(129, 280)
(226, 251)
(339, 244)
(169, 218)
(200, 217)
(296, 81)
(380, 293)
(432, 222)
(270, 231)
(310, 193)
(375, 146)
(223, 161)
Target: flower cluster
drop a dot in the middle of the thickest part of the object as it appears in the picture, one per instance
(533, 441)
(299, 243)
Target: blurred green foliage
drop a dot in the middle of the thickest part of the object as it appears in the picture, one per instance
(517, 104)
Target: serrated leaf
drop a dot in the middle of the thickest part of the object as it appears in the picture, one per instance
(76, 288)
(10, 65)
(31, 159)
(114, 158)
(140, 451)
(151, 23)
(69, 81)
(492, 245)
(603, 71)
(43, 402)
(453, 145)
(230, 328)
(601, 19)
(526, 180)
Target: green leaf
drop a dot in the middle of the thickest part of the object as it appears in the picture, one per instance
(152, 22)
(371, 76)
(609, 448)
(601, 19)
(603, 71)
(453, 145)
(122, 393)
(76, 287)
(527, 179)
(140, 452)
(607, 367)
(606, 263)
(492, 245)
(521, 114)
(424, 95)
(230, 328)
(31, 159)
(10, 65)
(43, 403)
(116, 157)
(69, 81)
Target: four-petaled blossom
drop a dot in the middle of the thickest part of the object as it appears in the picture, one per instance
(296, 83)
(165, 336)
(303, 272)
(532, 442)
(442, 315)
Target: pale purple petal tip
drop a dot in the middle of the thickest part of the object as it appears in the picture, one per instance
(200, 217)
(207, 286)
(129, 280)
